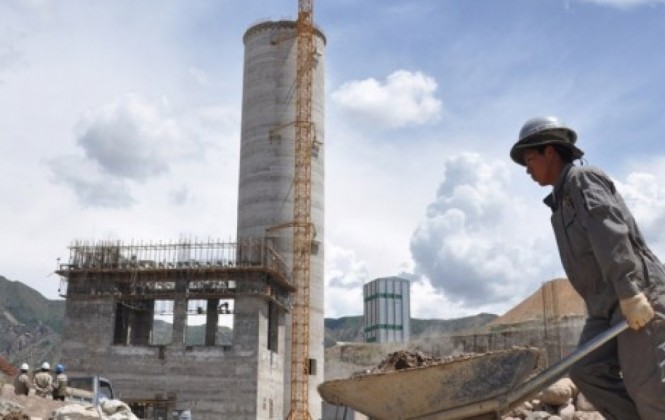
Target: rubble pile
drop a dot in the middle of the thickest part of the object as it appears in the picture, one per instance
(560, 401)
(30, 405)
(33, 407)
(403, 359)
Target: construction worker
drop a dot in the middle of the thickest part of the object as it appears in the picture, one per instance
(22, 381)
(44, 381)
(609, 264)
(60, 384)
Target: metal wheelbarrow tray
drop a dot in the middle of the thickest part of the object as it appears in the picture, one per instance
(411, 392)
(480, 386)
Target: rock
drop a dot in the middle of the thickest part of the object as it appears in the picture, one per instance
(567, 412)
(117, 410)
(588, 415)
(583, 404)
(537, 404)
(78, 412)
(538, 415)
(559, 393)
(14, 415)
(521, 412)
(7, 407)
(108, 410)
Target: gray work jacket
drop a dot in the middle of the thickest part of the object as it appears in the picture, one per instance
(601, 248)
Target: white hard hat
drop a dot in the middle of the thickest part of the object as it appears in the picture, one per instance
(24, 366)
(46, 366)
(540, 131)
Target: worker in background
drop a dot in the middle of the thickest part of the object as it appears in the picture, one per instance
(44, 381)
(22, 381)
(609, 264)
(60, 383)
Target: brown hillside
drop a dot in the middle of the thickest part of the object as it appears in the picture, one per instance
(6, 368)
(556, 298)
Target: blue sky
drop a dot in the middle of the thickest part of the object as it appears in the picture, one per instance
(120, 119)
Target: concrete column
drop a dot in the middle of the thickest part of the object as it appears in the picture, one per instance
(179, 313)
(142, 322)
(211, 322)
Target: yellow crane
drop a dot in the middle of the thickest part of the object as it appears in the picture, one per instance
(302, 209)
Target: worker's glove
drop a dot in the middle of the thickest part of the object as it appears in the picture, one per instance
(637, 310)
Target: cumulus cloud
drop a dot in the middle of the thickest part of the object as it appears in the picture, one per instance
(479, 244)
(645, 196)
(343, 268)
(9, 56)
(344, 277)
(134, 138)
(625, 4)
(92, 187)
(405, 98)
(128, 141)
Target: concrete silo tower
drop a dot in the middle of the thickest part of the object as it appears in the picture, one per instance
(266, 181)
(387, 310)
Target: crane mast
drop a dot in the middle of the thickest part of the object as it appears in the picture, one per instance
(302, 209)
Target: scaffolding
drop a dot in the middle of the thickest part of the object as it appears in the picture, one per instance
(165, 270)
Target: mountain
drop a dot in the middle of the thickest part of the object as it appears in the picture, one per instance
(350, 328)
(30, 324)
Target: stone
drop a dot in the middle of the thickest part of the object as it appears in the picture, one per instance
(567, 412)
(588, 415)
(559, 393)
(78, 412)
(583, 404)
(538, 415)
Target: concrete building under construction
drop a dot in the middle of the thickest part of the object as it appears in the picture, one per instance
(131, 308)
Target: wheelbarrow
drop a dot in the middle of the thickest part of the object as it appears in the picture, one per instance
(476, 387)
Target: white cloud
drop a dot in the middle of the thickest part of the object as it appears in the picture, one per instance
(130, 140)
(9, 56)
(645, 196)
(92, 187)
(624, 4)
(134, 138)
(344, 277)
(405, 98)
(480, 244)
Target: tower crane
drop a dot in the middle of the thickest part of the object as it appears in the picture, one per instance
(302, 209)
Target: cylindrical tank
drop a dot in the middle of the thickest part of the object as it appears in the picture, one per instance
(265, 194)
(387, 310)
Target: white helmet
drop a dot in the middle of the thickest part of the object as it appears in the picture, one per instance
(24, 367)
(540, 131)
(46, 366)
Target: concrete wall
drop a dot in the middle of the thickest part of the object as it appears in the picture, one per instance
(242, 381)
(265, 193)
(556, 339)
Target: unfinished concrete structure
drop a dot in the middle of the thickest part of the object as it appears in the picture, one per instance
(267, 154)
(119, 294)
